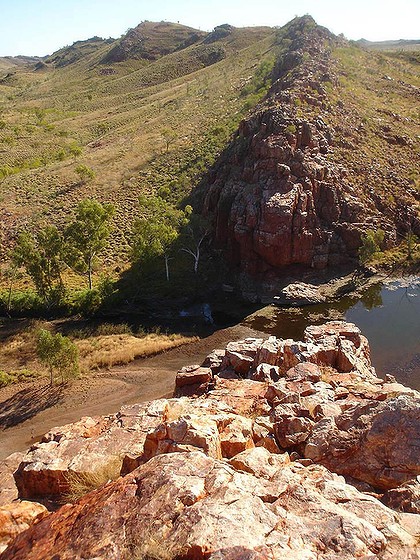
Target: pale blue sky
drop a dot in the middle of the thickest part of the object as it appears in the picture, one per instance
(39, 27)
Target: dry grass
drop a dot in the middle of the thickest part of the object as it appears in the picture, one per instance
(83, 483)
(110, 350)
(95, 351)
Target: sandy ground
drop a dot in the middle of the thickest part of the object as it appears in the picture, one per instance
(27, 411)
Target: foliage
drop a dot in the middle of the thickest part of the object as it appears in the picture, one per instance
(371, 244)
(41, 256)
(156, 230)
(18, 376)
(85, 173)
(58, 353)
(87, 236)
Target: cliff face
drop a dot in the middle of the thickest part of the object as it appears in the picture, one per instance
(280, 195)
(247, 462)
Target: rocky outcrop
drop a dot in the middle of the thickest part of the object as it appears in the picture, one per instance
(277, 196)
(191, 506)
(250, 468)
(376, 442)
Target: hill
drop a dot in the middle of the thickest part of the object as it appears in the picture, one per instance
(155, 110)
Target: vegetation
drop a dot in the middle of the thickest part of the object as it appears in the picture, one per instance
(87, 236)
(58, 353)
(80, 484)
(372, 242)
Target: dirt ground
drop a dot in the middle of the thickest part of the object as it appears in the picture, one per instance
(29, 410)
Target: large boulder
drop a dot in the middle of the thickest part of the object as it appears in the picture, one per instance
(191, 506)
(85, 447)
(375, 441)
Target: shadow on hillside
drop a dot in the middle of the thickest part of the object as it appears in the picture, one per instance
(27, 403)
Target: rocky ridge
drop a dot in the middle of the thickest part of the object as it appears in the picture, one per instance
(279, 196)
(270, 449)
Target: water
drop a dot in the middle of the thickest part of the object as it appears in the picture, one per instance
(389, 315)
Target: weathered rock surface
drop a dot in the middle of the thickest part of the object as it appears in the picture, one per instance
(300, 294)
(8, 490)
(376, 442)
(85, 447)
(188, 505)
(17, 517)
(240, 471)
(404, 498)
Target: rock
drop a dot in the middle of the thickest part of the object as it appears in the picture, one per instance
(236, 435)
(240, 355)
(405, 498)
(245, 397)
(192, 375)
(187, 433)
(290, 431)
(17, 517)
(305, 371)
(259, 462)
(375, 442)
(266, 372)
(299, 294)
(192, 380)
(189, 505)
(214, 360)
(85, 447)
(8, 490)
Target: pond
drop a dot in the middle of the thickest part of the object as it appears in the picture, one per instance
(388, 314)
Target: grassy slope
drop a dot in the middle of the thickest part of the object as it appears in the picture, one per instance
(117, 120)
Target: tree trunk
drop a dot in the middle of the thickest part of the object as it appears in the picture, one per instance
(167, 267)
(90, 274)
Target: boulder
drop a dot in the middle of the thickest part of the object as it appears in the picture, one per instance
(187, 433)
(17, 517)
(375, 442)
(85, 447)
(192, 380)
(191, 506)
(8, 490)
(299, 293)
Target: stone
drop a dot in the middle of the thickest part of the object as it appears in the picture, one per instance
(189, 505)
(405, 498)
(85, 447)
(299, 294)
(259, 462)
(375, 442)
(291, 431)
(8, 490)
(266, 372)
(187, 433)
(236, 435)
(17, 517)
(193, 375)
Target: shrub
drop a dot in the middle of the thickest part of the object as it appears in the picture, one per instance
(371, 244)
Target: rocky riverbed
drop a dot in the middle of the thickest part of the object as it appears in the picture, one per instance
(269, 449)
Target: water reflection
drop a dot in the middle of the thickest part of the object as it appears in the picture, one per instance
(389, 315)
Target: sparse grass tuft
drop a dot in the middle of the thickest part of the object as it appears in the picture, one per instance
(82, 483)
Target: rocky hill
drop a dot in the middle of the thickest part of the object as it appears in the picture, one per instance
(270, 449)
(311, 168)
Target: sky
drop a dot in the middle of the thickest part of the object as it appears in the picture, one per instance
(40, 27)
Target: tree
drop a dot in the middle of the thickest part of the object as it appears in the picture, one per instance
(41, 256)
(169, 137)
(156, 230)
(87, 236)
(196, 231)
(371, 244)
(58, 353)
